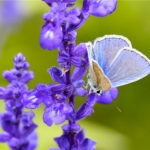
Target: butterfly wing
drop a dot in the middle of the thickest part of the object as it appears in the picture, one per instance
(97, 79)
(106, 48)
(102, 82)
(128, 66)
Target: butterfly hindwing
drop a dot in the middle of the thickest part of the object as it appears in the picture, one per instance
(128, 66)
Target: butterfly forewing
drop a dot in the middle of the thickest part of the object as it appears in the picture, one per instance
(106, 48)
(128, 66)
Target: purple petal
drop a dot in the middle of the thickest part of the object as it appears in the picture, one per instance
(20, 62)
(68, 91)
(88, 144)
(56, 74)
(7, 123)
(66, 128)
(92, 99)
(70, 36)
(14, 143)
(101, 8)
(4, 137)
(84, 111)
(2, 93)
(74, 11)
(114, 93)
(59, 119)
(105, 98)
(8, 75)
(32, 100)
(63, 59)
(27, 76)
(78, 61)
(27, 130)
(57, 88)
(56, 113)
(63, 142)
(75, 128)
(78, 83)
(79, 50)
(51, 37)
(86, 5)
(108, 96)
(78, 73)
(72, 19)
(33, 141)
(80, 136)
(11, 105)
(48, 117)
(26, 118)
(81, 92)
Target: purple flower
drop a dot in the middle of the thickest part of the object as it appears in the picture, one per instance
(19, 73)
(18, 126)
(51, 36)
(81, 143)
(73, 128)
(54, 97)
(87, 108)
(73, 16)
(51, 33)
(18, 77)
(99, 8)
(63, 142)
(56, 112)
(77, 57)
(18, 133)
(34, 98)
(77, 84)
(108, 96)
(4, 137)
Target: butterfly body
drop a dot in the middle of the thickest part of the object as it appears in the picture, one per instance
(113, 62)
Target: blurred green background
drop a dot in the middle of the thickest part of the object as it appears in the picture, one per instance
(128, 130)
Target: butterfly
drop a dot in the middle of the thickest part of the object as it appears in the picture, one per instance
(113, 62)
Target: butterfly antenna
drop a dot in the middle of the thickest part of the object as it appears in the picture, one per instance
(118, 108)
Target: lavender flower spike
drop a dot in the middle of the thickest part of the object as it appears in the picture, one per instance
(59, 32)
(17, 125)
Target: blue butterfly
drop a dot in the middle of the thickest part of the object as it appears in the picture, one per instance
(113, 62)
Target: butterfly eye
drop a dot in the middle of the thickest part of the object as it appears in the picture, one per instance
(98, 92)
